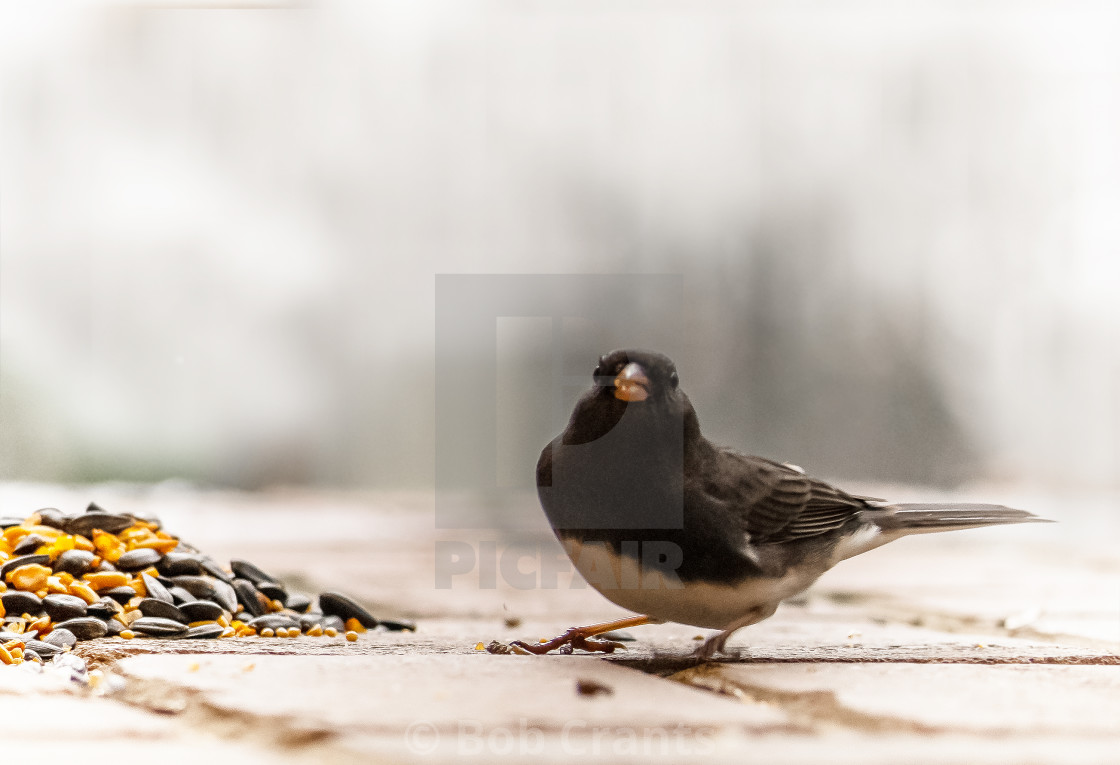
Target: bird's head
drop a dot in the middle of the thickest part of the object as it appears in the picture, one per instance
(637, 376)
(641, 386)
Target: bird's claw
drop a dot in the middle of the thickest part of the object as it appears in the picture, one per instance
(710, 647)
(567, 643)
(596, 645)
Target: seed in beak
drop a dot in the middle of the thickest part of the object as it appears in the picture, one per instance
(631, 384)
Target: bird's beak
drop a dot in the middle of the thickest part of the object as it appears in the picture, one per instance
(632, 384)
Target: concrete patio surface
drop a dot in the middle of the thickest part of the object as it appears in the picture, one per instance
(993, 646)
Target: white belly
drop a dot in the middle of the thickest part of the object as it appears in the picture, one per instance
(701, 604)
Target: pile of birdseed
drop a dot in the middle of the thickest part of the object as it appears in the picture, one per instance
(67, 578)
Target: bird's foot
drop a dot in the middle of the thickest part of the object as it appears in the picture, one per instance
(715, 644)
(576, 638)
(581, 638)
(718, 643)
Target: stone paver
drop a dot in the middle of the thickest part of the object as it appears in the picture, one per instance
(441, 705)
(994, 646)
(48, 720)
(947, 698)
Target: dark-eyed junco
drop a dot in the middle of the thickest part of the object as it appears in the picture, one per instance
(667, 524)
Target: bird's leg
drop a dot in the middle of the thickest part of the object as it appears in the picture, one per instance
(718, 643)
(583, 638)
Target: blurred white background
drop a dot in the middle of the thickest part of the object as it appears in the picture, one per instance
(897, 225)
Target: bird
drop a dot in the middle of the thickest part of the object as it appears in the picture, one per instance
(667, 524)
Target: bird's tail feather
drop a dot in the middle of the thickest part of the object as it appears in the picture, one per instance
(926, 518)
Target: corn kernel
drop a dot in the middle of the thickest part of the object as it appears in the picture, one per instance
(128, 634)
(47, 532)
(135, 533)
(58, 546)
(106, 580)
(330, 632)
(13, 534)
(353, 625)
(268, 632)
(163, 545)
(316, 630)
(84, 591)
(29, 578)
(351, 635)
(107, 545)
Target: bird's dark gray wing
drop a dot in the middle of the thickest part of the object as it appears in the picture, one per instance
(776, 502)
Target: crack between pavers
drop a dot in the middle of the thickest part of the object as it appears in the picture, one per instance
(663, 663)
(663, 666)
(103, 653)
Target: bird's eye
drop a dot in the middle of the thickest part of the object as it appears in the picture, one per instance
(674, 381)
(600, 373)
